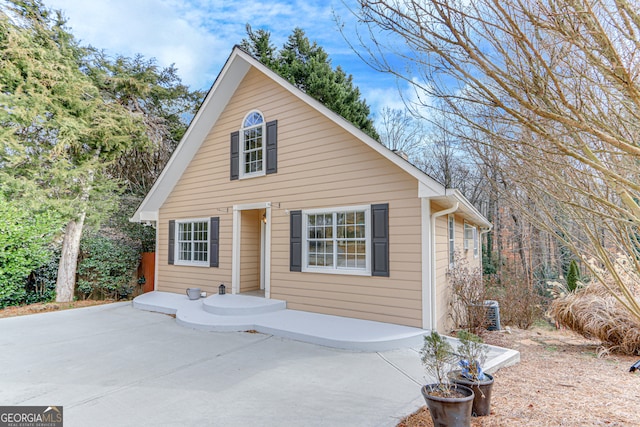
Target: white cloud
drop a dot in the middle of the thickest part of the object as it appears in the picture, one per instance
(198, 35)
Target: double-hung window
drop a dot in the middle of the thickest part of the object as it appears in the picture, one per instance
(192, 238)
(252, 156)
(471, 238)
(337, 240)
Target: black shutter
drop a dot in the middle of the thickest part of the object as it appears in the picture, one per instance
(272, 147)
(172, 240)
(295, 241)
(214, 241)
(380, 240)
(235, 155)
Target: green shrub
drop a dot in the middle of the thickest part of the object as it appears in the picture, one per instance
(106, 266)
(41, 286)
(573, 276)
(25, 244)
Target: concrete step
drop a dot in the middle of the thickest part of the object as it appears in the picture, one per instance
(241, 305)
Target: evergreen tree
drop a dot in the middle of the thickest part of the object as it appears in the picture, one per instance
(155, 94)
(259, 46)
(573, 276)
(58, 133)
(307, 66)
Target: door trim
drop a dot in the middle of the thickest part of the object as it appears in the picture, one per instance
(265, 246)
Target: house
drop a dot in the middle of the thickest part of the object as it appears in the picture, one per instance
(271, 193)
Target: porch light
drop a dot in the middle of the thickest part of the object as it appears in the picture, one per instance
(264, 218)
(221, 289)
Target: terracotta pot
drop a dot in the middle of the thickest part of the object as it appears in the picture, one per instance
(449, 411)
(481, 390)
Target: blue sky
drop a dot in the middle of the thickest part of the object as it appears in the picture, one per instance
(198, 35)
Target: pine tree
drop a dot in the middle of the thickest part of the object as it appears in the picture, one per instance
(58, 134)
(573, 276)
(307, 66)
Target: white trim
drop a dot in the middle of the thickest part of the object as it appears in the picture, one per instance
(366, 271)
(235, 251)
(222, 90)
(241, 163)
(425, 218)
(262, 262)
(451, 238)
(156, 267)
(476, 243)
(234, 70)
(267, 252)
(434, 305)
(176, 249)
(467, 227)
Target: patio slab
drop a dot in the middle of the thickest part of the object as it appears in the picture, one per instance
(242, 313)
(113, 365)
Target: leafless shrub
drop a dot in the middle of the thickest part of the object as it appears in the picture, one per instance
(467, 309)
(520, 302)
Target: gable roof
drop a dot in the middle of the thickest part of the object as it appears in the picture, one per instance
(225, 85)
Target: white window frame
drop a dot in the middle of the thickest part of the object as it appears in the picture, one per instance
(476, 242)
(451, 238)
(366, 271)
(177, 241)
(242, 151)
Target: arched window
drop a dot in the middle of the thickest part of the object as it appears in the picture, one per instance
(252, 145)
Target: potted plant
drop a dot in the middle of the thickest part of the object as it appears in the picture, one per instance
(472, 353)
(449, 403)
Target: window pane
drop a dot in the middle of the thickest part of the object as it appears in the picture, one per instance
(253, 119)
(185, 251)
(337, 240)
(193, 242)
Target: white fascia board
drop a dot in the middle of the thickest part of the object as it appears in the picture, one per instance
(147, 216)
(233, 72)
(430, 189)
(467, 207)
(214, 103)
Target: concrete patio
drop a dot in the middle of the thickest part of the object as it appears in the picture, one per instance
(113, 365)
(238, 313)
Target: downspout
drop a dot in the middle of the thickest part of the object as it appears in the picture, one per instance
(483, 231)
(434, 304)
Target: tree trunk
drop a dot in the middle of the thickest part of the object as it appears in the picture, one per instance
(66, 283)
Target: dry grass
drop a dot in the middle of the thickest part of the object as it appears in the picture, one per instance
(560, 381)
(593, 312)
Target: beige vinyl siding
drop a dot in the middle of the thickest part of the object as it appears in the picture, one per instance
(443, 291)
(319, 166)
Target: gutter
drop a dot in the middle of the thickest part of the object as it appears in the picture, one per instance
(433, 260)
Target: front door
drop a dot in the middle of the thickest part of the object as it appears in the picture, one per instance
(251, 243)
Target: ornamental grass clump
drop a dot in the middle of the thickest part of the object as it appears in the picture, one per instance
(595, 312)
